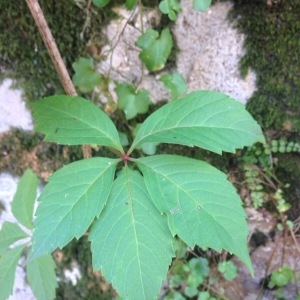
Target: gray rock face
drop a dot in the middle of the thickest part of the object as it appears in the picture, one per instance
(209, 52)
(13, 112)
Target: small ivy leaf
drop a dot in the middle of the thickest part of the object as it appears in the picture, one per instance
(130, 4)
(123, 139)
(228, 269)
(10, 233)
(147, 148)
(147, 39)
(132, 102)
(101, 3)
(74, 196)
(8, 265)
(131, 243)
(23, 202)
(206, 119)
(85, 77)
(175, 84)
(156, 49)
(281, 277)
(69, 120)
(201, 5)
(202, 206)
(191, 291)
(42, 278)
(170, 8)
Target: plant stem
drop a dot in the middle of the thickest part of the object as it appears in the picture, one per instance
(50, 43)
(54, 53)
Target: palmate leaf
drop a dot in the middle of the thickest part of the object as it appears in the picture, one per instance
(41, 277)
(206, 119)
(23, 202)
(10, 233)
(71, 200)
(72, 120)
(131, 242)
(8, 265)
(202, 207)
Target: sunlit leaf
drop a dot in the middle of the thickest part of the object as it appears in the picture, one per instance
(71, 120)
(71, 200)
(23, 202)
(202, 206)
(131, 242)
(42, 278)
(210, 120)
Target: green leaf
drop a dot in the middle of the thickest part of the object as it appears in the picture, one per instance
(131, 242)
(156, 49)
(202, 206)
(281, 277)
(206, 119)
(171, 8)
(71, 120)
(71, 200)
(10, 233)
(23, 202)
(149, 148)
(101, 3)
(228, 269)
(85, 77)
(175, 84)
(8, 265)
(132, 102)
(123, 139)
(130, 4)
(190, 291)
(201, 5)
(42, 278)
(199, 267)
(205, 296)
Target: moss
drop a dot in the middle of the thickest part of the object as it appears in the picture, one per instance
(23, 55)
(288, 171)
(21, 150)
(273, 51)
